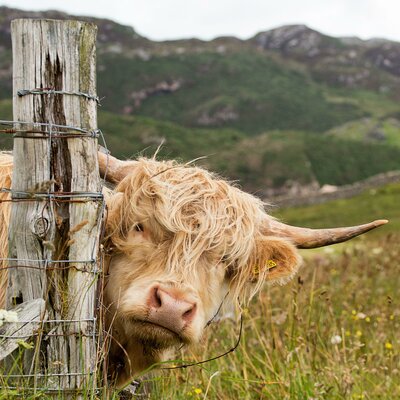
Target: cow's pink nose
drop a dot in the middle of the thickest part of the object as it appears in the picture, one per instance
(170, 308)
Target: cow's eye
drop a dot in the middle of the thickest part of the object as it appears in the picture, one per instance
(139, 228)
(229, 272)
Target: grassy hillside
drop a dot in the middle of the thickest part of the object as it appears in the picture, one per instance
(129, 136)
(373, 130)
(274, 158)
(380, 203)
(269, 160)
(246, 90)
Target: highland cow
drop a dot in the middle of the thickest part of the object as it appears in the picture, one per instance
(180, 241)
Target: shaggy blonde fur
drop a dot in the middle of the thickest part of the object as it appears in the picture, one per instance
(5, 182)
(199, 214)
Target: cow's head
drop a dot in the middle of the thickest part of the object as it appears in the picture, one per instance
(182, 241)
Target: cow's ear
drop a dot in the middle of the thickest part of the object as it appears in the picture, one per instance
(275, 259)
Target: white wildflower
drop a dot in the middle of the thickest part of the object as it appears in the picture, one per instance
(328, 250)
(336, 339)
(377, 250)
(361, 315)
(8, 316)
(280, 318)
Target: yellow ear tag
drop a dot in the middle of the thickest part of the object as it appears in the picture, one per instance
(269, 265)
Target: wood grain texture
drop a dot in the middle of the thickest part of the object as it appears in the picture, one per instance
(59, 55)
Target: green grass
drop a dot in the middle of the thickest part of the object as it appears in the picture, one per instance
(378, 130)
(128, 136)
(276, 157)
(380, 203)
(376, 104)
(5, 114)
(340, 162)
(267, 160)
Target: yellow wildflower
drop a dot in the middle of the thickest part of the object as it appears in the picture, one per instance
(388, 346)
(359, 333)
(368, 319)
(391, 317)
(197, 390)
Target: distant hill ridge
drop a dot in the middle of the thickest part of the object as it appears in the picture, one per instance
(298, 42)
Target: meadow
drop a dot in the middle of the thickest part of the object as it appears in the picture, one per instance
(332, 333)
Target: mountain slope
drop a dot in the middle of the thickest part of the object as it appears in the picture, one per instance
(347, 62)
(280, 79)
(244, 90)
(288, 106)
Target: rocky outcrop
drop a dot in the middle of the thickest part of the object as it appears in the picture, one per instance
(329, 192)
(349, 62)
(218, 116)
(385, 56)
(164, 87)
(295, 40)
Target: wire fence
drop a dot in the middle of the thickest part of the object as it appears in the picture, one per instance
(20, 377)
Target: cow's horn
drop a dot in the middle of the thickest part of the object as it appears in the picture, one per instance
(305, 238)
(113, 170)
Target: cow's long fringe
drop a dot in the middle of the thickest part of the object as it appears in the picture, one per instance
(193, 210)
(5, 182)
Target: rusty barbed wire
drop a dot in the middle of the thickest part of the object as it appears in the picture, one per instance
(71, 132)
(52, 91)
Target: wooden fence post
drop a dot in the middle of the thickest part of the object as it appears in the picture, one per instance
(57, 207)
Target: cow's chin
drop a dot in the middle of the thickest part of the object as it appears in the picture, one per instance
(157, 336)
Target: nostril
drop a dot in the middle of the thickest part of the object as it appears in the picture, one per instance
(155, 298)
(189, 314)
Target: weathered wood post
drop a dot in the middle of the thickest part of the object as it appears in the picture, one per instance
(54, 230)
